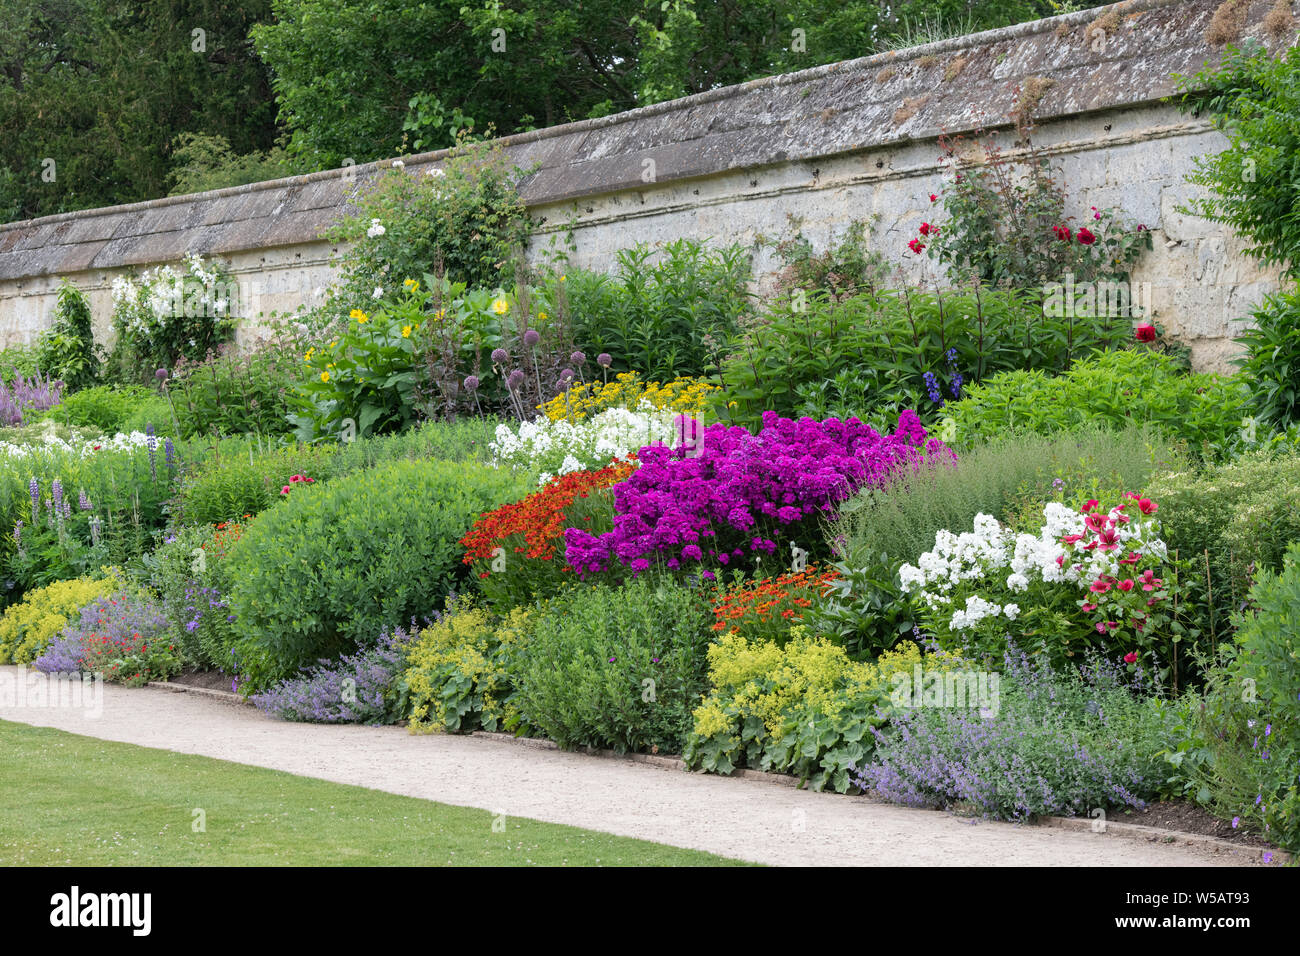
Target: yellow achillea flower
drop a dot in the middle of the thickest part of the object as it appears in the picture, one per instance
(500, 306)
(688, 396)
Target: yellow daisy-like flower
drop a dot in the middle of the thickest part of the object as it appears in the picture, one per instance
(334, 343)
(310, 353)
(406, 331)
(358, 315)
(500, 306)
(324, 376)
(412, 284)
(541, 316)
(562, 278)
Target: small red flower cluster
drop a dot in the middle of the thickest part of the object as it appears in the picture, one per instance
(916, 245)
(296, 480)
(784, 596)
(1084, 236)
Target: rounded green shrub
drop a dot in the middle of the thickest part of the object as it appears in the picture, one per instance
(1111, 390)
(333, 565)
(619, 668)
(107, 408)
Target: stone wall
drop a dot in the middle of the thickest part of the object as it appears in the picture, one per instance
(856, 140)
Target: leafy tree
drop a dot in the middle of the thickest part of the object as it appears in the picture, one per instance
(365, 79)
(102, 87)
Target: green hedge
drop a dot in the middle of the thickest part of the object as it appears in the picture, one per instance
(1113, 390)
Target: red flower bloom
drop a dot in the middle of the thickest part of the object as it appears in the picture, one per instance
(1147, 506)
(1085, 237)
(1145, 333)
(1062, 233)
(1131, 657)
(926, 229)
(933, 198)
(916, 245)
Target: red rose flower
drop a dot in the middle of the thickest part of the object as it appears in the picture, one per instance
(926, 229)
(1131, 657)
(1145, 333)
(916, 245)
(1062, 233)
(1085, 237)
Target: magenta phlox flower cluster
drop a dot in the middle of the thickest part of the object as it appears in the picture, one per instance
(739, 492)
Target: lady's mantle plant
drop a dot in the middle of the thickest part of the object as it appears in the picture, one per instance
(1089, 575)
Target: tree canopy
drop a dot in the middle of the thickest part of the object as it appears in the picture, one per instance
(109, 101)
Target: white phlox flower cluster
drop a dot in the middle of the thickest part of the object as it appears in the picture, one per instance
(1070, 548)
(561, 447)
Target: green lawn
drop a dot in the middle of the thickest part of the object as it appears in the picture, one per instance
(77, 800)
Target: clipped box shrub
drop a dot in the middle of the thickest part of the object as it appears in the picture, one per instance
(336, 564)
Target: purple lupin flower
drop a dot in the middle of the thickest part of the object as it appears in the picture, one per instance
(34, 487)
(169, 452)
(56, 494)
(152, 444)
(82, 501)
(18, 532)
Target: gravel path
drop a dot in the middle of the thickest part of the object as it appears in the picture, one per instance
(746, 819)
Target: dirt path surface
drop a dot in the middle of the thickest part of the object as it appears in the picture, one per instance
(745, 819)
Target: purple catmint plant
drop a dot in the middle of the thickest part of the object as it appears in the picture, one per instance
(62, 656)
(1055, 743)
(352, 690)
